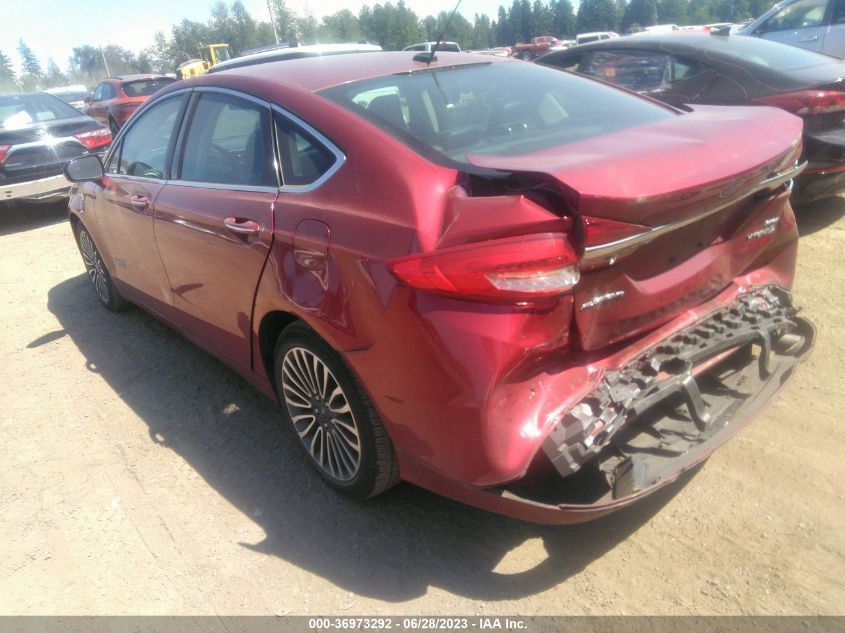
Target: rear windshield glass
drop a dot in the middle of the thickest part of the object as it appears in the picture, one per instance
(145, 88)
(18, 111)
(500, 109)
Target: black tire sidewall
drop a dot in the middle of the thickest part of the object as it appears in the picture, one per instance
(299, 335)
(115, 302)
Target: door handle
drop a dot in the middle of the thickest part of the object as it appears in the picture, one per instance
(812, 38)
(241, 226)
(139, 201)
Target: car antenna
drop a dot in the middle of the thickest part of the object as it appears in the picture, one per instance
(430, 57)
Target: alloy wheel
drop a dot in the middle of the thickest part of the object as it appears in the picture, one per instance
(94, 265)
(321, 414)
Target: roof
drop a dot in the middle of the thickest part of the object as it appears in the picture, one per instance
(317, 73)
(147, 76)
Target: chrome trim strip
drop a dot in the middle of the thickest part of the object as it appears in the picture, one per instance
(600, 252)
(340, 157)
(221, 186)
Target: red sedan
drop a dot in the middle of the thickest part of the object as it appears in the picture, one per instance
(521, 288)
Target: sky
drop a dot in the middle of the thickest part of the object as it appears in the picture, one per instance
(51, 28)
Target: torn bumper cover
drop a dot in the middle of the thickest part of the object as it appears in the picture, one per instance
(664, 412)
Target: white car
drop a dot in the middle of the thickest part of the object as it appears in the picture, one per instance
(447, 47)
(292, 52)
(586, 38)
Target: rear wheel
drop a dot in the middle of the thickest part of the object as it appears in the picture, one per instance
(334, 419)
(527, 55)
(97, 272)
(114, 127)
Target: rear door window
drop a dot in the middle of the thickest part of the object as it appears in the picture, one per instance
(228, 142)
(641, 71)
(147, 144)
(798, 15)
(305, 159)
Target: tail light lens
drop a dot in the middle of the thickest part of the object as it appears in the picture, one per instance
(94, 138)
(806, 102)
(512, 270)
(4, 149)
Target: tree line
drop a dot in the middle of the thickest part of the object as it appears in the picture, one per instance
(391, 25)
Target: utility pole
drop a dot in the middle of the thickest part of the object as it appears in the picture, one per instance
(273, 22)
(105, 63)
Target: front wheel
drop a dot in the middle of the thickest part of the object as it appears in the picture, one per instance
(98, 273)
(334, 419)
(527, 56)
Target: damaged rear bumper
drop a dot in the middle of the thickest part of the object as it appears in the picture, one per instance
(660, 414)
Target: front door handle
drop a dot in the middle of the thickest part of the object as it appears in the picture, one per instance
(242, 226)
(812, 38)
(139, 201)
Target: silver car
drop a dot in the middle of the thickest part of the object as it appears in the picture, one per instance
(817, 25)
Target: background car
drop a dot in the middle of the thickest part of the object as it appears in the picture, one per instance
(817, 25)
(74, 95)
(115, 99)
(39, 133)
(531, 291)
(293, 52)
(700, 68)
(451, 47)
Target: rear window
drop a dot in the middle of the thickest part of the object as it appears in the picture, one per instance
(768, 54)
(502, 109)
(18, 111)
(146, 87)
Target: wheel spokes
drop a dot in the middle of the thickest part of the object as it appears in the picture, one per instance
(321, 415)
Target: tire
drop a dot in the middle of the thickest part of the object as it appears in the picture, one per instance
(342, 436)
(527, 55)
(97, 272)
(113, 127)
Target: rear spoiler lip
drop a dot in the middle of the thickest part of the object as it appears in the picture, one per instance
(602, 252)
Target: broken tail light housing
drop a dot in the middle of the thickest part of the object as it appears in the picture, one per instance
(521, 269)
(94, 138)
(805, 102)
(4, 150)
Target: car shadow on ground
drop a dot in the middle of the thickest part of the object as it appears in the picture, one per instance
(819, 215)
(392, 548)
(21, 216)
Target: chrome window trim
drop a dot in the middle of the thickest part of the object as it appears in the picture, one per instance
(221, 186)
(340, 157)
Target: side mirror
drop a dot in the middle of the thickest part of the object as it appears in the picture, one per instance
(87, 99)
(84, 168)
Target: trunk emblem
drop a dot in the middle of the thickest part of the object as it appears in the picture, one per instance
(770, 225)
(599, 299)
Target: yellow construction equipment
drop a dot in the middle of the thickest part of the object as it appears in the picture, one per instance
(210, 54)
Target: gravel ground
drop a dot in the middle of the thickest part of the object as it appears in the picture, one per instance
(138, 475)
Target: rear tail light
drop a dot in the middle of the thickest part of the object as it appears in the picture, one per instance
(512, 270)
(806, 102)
(94, 138)
(4, 150)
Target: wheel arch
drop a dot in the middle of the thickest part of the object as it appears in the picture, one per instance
(269, 329)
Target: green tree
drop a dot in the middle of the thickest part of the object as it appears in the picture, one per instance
(482, 33)
(641, 12)
(673, 11)
(340, 27)
(596, 15)
(188, 37)
(55, 77)
(504, 33)
(308, 28)
(285, 21)
(7, 74)
(391, 26)
(563, 20)
(31, 74)
(542, 19)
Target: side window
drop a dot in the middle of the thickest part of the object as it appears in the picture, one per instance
(304, 158)
(228, 142)
(837, 14)
(146, 143)
(799, 15)
(98, 93)
(109, 91)
(569, 62)
(639, 71)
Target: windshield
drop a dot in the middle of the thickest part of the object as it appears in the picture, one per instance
(146, 87)
(18, 111)
(502, 109)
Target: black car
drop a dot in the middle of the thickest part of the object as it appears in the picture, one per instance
(39, 133)
(701, 68)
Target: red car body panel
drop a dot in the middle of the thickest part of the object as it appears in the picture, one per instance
(467, 390)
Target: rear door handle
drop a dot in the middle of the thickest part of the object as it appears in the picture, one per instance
(139, 201)
(241, 226)
(812, 38)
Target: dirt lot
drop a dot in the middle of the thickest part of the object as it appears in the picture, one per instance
(139, 475)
